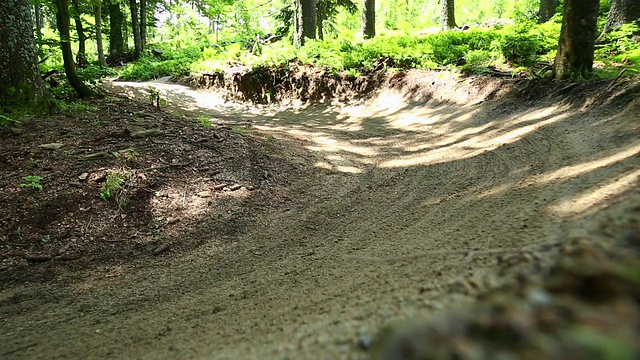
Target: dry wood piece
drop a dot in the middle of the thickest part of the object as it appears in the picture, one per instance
(38, 258)
(162, 248)
(94, 156)
(146, 133)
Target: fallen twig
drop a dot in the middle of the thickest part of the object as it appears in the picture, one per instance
(616, 79)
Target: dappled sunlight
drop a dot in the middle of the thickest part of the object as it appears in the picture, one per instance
(479, 143)
(390, 133)
(595, 199)
(573, 171)
(190, 200)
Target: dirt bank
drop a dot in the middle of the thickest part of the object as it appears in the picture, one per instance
(408, 204)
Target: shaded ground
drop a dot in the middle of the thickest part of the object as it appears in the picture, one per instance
(431, 193)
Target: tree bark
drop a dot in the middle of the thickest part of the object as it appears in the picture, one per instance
(135, 27)
(143, 25)
(448, 17)
(97, 15)
(546, 10)
(577, 39)
(622, 12)
(116, 41)
(67, 55)
(20, 83)
(320, 24)
(305, 21)
(37, 10)
(369, 19)
(81, 58)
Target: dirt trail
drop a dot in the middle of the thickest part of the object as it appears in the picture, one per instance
(393, 180)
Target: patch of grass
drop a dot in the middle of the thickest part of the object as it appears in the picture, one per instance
(203, 120)
(75, 106)
(112, 185)
(127, 155)
(32, 182)
(240, 130)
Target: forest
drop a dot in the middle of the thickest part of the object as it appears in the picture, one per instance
(320, 179)
(147, 39)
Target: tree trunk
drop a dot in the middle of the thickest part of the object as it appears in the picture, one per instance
(81, 58)
(369, 19)
(67, 55)
(577, 39)
(97, 15)
(320, 24)
(116, 41)
(622, 12)
(305, 21)
(20, 82)
(448, 17)
(547, 10)
(135, 27)
(143, 25)
(37, 10)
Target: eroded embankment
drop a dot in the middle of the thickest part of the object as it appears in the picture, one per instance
(420, 200)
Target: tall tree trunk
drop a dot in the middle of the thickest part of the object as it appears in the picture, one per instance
(135, 27)
(20, 82)
(81, 58)
(577, 39)
(143, 25)
(305, 21)
(448, 14)
(37, 10)
(369, 19)
(67, 55)
(97, 15)
(547, 10)
(116, 41)
(622, 12)
(320, 24)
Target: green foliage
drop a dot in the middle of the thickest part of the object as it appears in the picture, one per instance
(32, 182)
(112, 185)
(150, 67)
(126, 155)
(620, 48)
(205, 121)
(156, 98)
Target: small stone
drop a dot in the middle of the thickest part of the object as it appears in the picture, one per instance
(250, 188)
(235, 187)
(205, 194)
(75, 184)
(52, 146)
(83, 176)
(365, 342)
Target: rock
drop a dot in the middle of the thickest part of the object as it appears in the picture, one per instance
(51, 146)
(205, 194)
(75, 184)
(250, 188)
(83, 176)
(365, 342)
(235, 187)
(17, 130)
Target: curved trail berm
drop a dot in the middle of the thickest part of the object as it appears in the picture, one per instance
(415, 201)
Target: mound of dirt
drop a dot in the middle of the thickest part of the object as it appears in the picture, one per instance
(305, 83)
